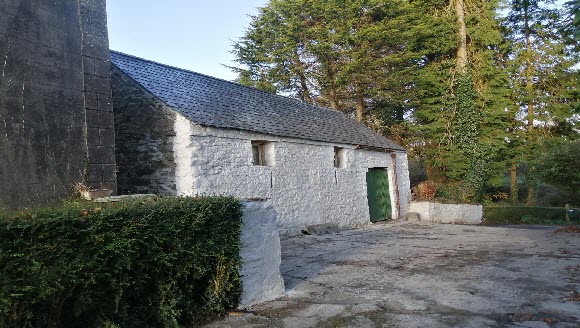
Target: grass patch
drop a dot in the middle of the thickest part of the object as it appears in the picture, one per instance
(524, 215)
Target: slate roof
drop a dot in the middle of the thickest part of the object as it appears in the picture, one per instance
(218, 103)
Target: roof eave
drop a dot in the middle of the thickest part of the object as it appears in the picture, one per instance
(381, 149)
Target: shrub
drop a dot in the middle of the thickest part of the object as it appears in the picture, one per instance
(162, 262)
(557, 167)
(523, 215)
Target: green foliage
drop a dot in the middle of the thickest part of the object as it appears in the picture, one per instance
(572, 26)
(450, 103)
(541, 67)
(166, 262)
(541, 62)
(523, 215)
(330, 53)
(467, 162)
(560, 166)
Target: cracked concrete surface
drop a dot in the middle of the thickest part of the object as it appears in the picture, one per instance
(426, 275)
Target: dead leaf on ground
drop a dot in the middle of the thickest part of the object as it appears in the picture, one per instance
(574, 297)
(571, 229)
(517, 317)
(238, 313)
(445, 255)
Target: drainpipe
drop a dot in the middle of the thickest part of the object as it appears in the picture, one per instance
(396, 185)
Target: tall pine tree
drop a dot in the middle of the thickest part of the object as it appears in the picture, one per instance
(332, 53)
(544, 89)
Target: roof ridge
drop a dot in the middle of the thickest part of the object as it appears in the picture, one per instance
(208, 101)
(226, 81)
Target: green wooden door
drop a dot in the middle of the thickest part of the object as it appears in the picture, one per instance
(378, 195)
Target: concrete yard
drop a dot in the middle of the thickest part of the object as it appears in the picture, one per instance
(425, 275)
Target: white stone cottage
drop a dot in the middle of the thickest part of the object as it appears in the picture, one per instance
(184, 133)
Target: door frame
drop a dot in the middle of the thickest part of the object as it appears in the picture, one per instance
(391, 211)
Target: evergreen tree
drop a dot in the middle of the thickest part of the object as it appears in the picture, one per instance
(543, 83)
(559, 166)
(332, 53)
(572, 21)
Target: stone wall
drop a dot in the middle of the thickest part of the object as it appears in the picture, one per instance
(302, 182)
(144, 139)
(56, 123)
(100, 133)
(261, 254)
(448, 213)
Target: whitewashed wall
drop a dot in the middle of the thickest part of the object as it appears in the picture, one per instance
(448, 213)
(303, 184)
(261, 254)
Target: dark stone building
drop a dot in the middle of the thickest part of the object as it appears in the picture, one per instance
(56, 120)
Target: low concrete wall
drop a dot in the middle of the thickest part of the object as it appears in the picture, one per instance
(261, 254)
(448, 213)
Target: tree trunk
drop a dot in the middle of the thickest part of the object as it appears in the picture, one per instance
(429, 172)
(360, 105)
(531, 194)
(529, 83)
(331, 82)
(333, 98)
(529, 75)
(305, 91)
(305, 94)
(514, 182)
(461, 57)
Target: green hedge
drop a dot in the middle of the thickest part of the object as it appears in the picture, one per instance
(161, 262)
(523, 215)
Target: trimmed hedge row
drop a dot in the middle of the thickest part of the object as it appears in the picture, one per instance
(523, 215)
(161, 262)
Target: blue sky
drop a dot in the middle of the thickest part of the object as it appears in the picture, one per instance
(191, 34)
